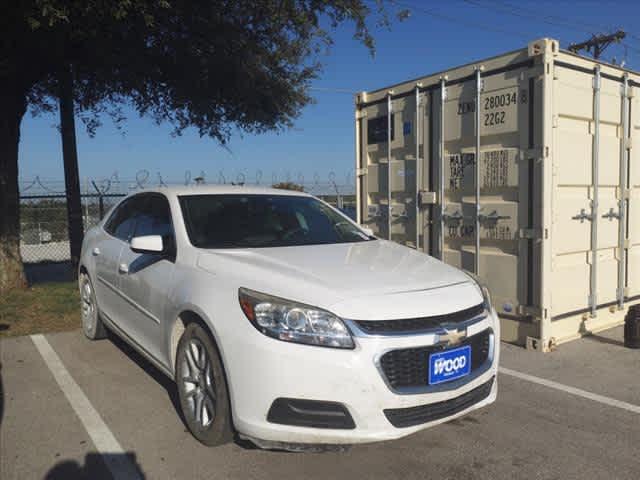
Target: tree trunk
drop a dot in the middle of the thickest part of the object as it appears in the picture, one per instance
(71, 175)
(13, 104)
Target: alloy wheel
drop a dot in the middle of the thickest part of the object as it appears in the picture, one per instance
(197, 381)
(88, 305)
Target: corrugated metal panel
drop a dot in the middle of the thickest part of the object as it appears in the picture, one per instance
(552, 206)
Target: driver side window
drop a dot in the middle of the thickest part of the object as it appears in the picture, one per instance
(154, 218)
(122, 220)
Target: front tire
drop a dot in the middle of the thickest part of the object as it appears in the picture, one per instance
(92, 325)
(202, 387)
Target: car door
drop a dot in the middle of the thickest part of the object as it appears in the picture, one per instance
(145, 278)
(106, 250)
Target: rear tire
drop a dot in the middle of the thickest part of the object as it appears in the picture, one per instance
(92, 325)
(202, 387)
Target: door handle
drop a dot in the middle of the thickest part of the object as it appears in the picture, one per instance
(123, 268)
(95, 252)
(610, 215)
(582, 216)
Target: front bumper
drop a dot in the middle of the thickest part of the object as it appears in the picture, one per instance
(264, 369)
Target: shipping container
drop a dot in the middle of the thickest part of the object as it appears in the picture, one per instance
(549, 217)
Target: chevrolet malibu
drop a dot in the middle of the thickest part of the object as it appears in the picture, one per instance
(284, 322)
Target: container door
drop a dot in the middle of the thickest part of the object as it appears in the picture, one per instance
(633, 221)
(374, 151)
(587, 190)
(501, 220)
(390, 185)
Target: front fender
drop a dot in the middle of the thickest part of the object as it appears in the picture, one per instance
(200, 293)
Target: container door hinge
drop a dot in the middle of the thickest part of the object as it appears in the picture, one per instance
(361, 172)
(623, 194)
(427, 198)
(360, 113)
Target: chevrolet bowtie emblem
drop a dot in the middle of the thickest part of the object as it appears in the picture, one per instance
(453, 336)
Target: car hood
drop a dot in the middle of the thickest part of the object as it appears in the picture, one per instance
(328, 275)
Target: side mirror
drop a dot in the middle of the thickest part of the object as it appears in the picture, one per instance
(367, 230)
(147, 244)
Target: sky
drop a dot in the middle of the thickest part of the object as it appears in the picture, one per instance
(436, 36)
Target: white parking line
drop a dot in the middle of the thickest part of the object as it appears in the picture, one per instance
(104, 441)
(612, 402)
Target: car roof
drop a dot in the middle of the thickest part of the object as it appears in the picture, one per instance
(187, 190)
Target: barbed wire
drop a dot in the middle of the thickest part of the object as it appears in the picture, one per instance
(326, 184)
(38, 182)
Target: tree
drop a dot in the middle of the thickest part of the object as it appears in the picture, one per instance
(75, 230)
(289, 186)
(217, 66)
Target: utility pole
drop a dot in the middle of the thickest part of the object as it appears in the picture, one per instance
(598, 43)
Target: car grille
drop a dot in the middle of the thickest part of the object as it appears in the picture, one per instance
(409, 417)
(408, 367)
(390, 327)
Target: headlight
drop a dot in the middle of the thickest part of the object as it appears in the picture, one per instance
(293, 322)
(484, 290)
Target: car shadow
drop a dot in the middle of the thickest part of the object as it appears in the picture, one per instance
(144, 261)
(170, 386)
(151, 370)
(172, 391)
(95, 468)
(46, 272)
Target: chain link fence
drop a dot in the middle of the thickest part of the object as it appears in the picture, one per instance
(44, 236)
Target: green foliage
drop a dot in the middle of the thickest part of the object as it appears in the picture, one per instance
(217, 66)
(289, 186)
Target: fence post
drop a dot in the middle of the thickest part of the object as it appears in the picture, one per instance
(100, 200)
(86, 204)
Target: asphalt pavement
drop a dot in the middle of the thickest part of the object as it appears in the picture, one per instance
(570, 414)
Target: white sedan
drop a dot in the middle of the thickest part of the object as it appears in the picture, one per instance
(283, 321)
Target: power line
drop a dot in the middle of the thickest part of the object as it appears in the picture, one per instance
(562, 19)
(432, 12)
(522, 14)
(332, 90)
(548, 19)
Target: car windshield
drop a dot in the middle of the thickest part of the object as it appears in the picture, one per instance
(258, 221)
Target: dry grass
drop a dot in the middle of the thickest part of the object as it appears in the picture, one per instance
(47, 307)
